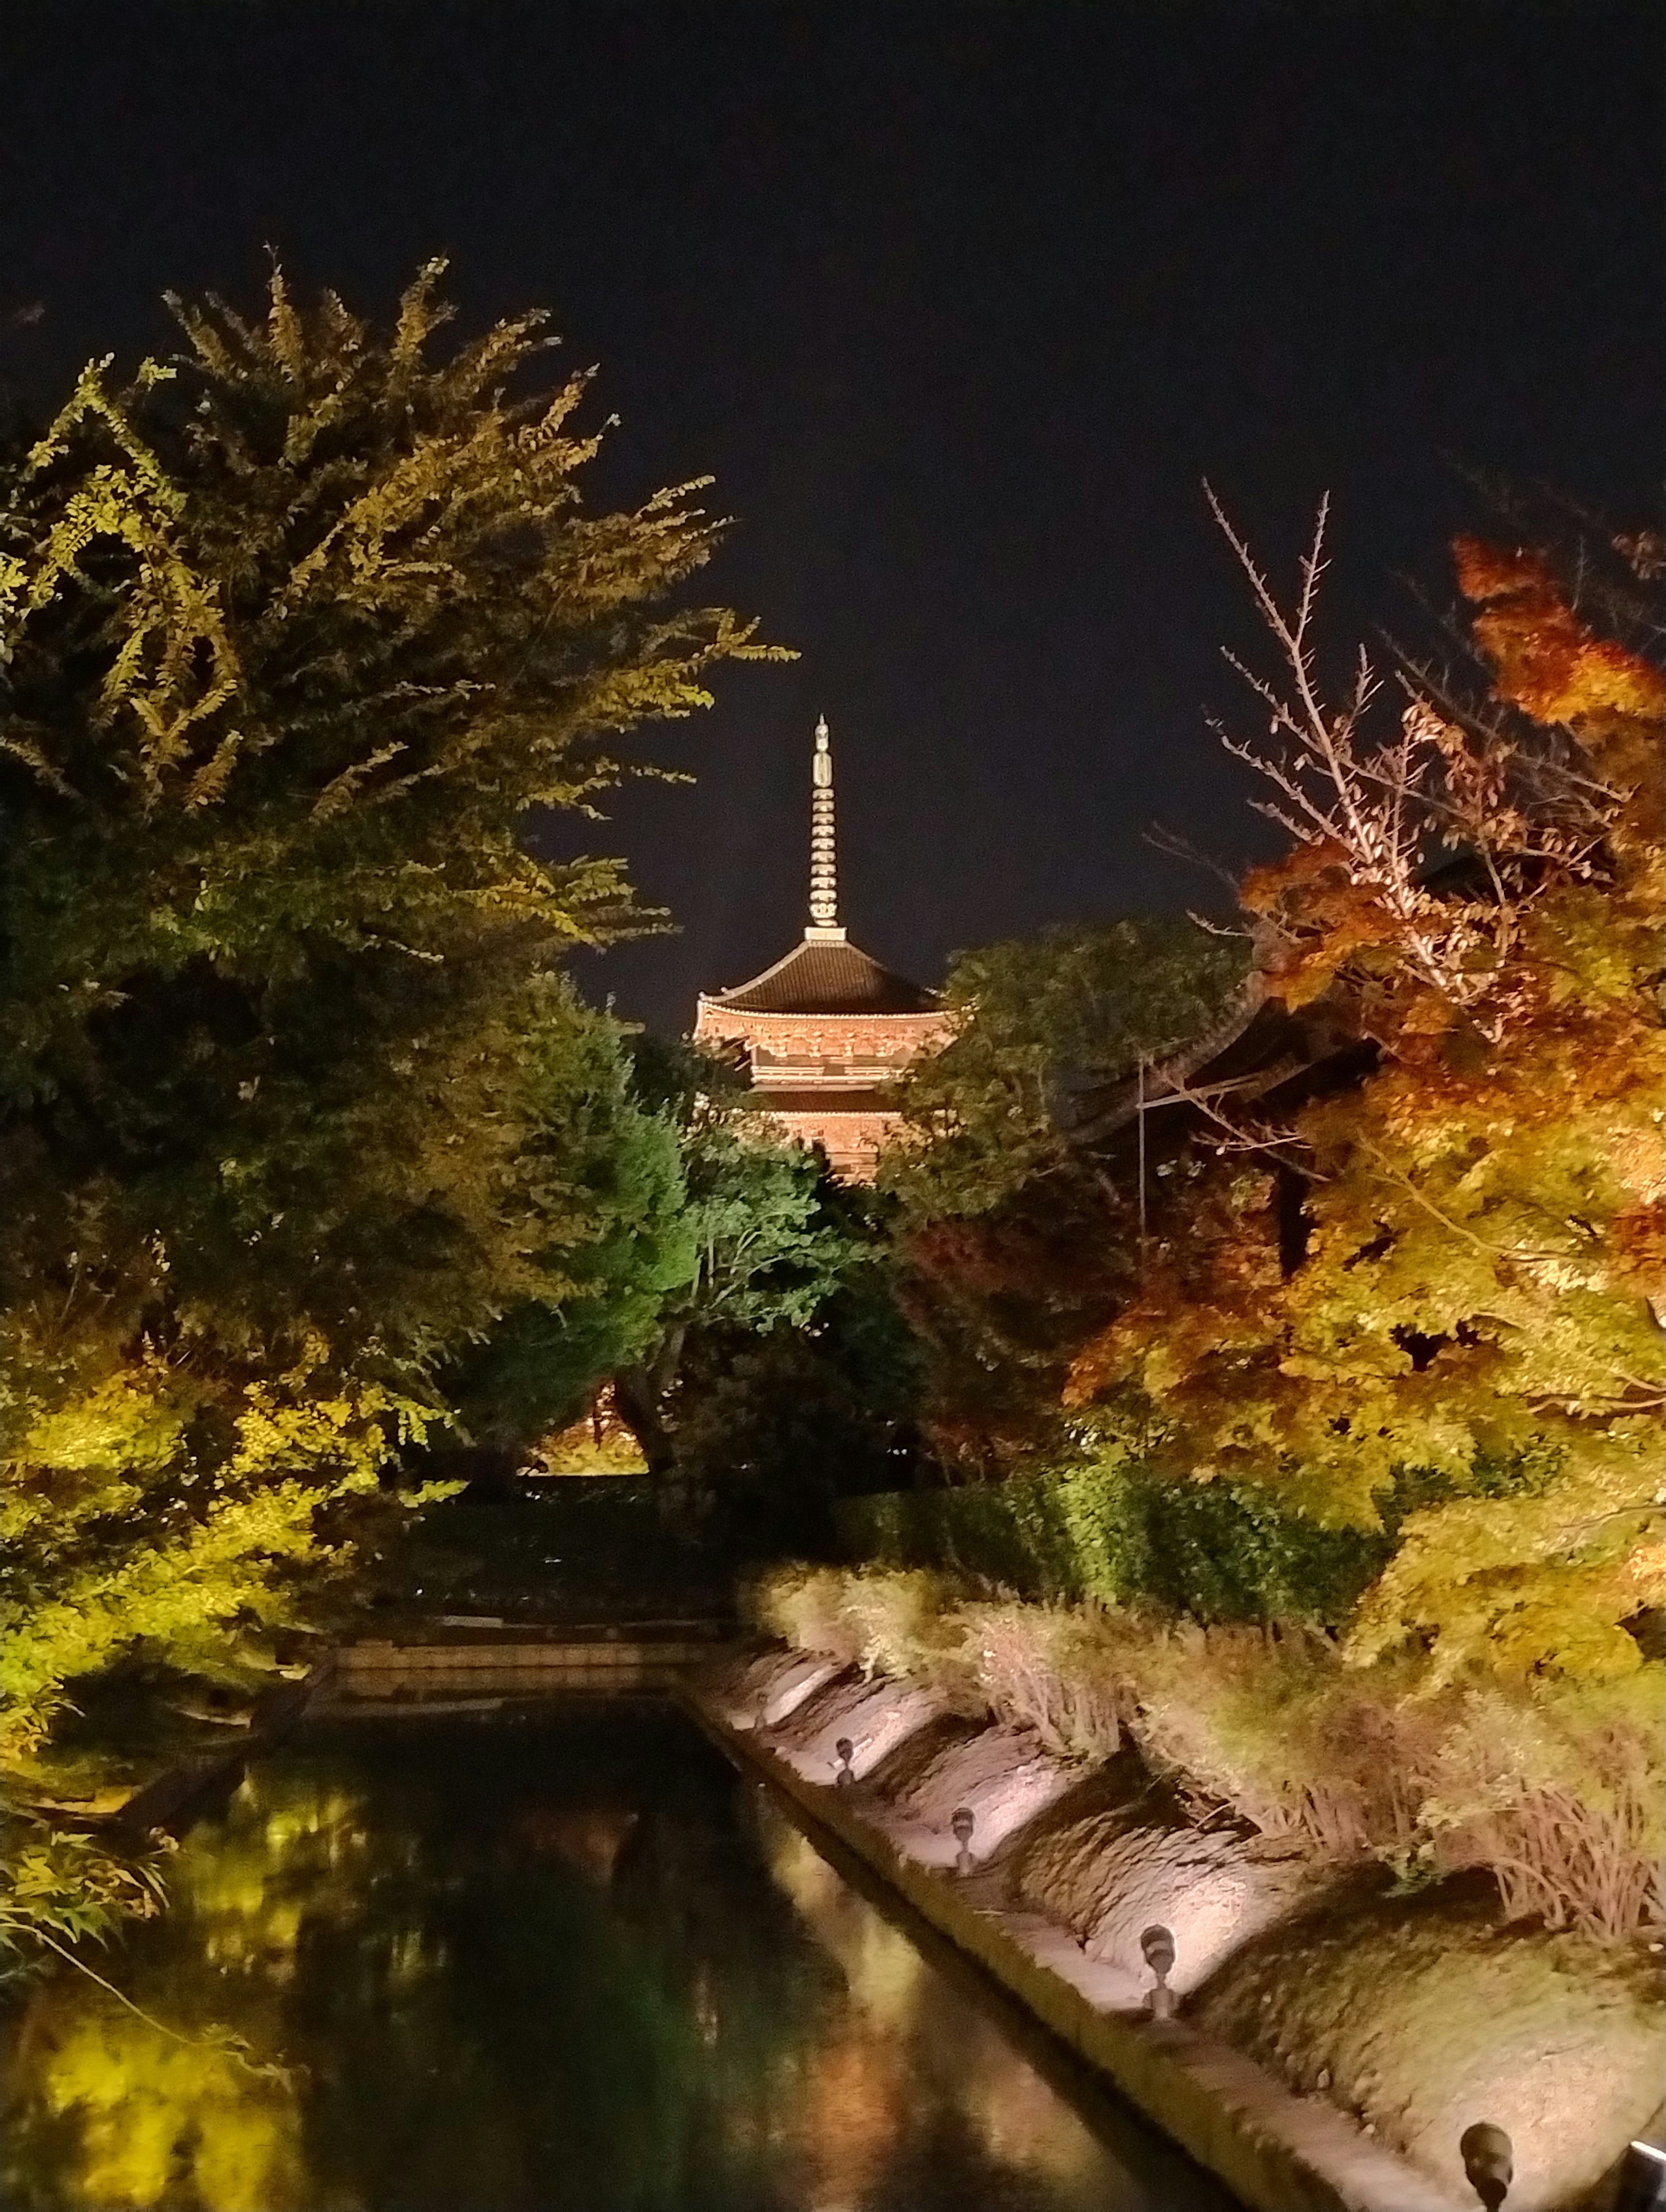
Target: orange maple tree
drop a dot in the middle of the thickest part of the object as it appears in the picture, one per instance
(1469, 1347)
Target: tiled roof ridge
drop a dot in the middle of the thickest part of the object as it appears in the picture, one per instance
(833, 977)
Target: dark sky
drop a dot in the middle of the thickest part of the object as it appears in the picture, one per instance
(958, 303)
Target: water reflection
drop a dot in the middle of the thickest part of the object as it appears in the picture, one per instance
(569, 1965)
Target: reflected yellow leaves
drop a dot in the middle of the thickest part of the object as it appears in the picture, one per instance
(155, 2121)
(883, 1971)
(537, 1973)
(135, 2112)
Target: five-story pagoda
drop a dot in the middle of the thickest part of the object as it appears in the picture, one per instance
(827, 1026)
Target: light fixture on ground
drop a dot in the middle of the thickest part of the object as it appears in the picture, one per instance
(1641, 2181)
(1489, 2163)
(962, 1821)
(1157, 1945)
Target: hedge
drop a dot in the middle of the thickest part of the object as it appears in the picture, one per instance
(1216, 1550)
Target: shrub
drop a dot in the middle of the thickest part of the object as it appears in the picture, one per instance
(1048, 1669)
(1221, 1552)
(1011, 1534)
(901, 1623)
(1562, 1798)
(896, 1624)
(1269, 1723)
(804, 1607)
(1558, 1794)
(1225, 1551)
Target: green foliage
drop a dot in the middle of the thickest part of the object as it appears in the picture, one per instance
(603, 1303)
(780, 1423)
(1219, 1551)
(770, 1237)
(1224, 1552)
(295, 1109)
(1012, 1534)
(61, 1886)
(1015, 1246)
(1040, 1021)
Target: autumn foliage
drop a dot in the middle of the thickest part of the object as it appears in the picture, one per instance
(1468, 1346)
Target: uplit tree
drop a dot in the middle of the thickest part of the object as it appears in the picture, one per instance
(602, 1303)
(296, 630)
(1466, 1347)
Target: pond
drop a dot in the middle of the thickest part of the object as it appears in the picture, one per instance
(560, 1960)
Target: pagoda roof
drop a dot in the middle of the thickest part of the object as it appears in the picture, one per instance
(827, 974)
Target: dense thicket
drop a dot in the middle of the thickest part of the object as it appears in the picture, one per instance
(1012, 1243)
(1419, 1314)
(744, 1387)
(296, 1108)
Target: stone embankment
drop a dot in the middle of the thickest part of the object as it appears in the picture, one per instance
(1313, 2042)
(470, 1661)
(171, 1801)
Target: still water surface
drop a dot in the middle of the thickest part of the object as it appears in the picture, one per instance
(556, 1962)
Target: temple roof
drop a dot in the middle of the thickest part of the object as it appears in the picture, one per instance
(825, 973)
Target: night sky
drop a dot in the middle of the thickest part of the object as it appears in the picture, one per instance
(958, 304)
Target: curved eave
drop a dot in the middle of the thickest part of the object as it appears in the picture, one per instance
(826, 978)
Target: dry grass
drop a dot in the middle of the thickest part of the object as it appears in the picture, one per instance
(1563, 1800)
(1047, 1668)
(1558, 1794)
(1273, 1727)
(805, 1606)
(901, 1623)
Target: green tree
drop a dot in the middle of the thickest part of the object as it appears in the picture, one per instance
(769, 1236)
(1041, 1023)
(1011, 1237)
(776, 1422)
(606, 1299)
(295, 629)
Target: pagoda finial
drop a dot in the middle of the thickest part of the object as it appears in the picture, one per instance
(823, 864)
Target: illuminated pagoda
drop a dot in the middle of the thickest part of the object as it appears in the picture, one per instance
(826, 1027)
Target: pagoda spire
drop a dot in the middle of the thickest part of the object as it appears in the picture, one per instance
(824, 861)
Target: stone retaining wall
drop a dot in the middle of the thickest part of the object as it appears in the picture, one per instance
(1273, 2149)
(432, 1667)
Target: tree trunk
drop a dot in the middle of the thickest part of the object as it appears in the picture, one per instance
(636, 1403)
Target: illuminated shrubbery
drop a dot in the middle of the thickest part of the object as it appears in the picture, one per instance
(1219, 1551)
(296, 1107)
(1556, 1790)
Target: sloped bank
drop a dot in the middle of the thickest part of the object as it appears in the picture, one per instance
(1289, 2077)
